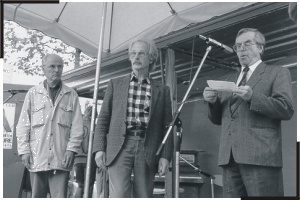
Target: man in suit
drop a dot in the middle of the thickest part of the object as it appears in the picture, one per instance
(251, 143)
(135, 113)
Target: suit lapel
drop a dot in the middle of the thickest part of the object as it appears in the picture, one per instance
(154, 95)
(233, 79)
(254, 79)
(124, 90)
(256, 75)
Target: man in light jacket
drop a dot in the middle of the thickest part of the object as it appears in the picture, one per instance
(50, 131)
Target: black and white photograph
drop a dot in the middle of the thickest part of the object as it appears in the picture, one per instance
(149, 99)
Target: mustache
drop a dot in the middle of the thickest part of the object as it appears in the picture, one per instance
(137, 62)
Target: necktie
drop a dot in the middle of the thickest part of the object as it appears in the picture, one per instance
(243, 81)
(234, 98)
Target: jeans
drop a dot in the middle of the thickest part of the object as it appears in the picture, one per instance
(53, 181)
(80, 170)
(131, 156)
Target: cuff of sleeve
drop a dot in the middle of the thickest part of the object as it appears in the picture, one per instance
(20, 153)
(213, 106)
(95, 150)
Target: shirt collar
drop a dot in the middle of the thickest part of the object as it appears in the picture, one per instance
(252, 67)
(46, 85)
(133, 77)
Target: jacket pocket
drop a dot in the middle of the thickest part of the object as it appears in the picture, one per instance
(65, 114)
(64, 131)
(38, 115)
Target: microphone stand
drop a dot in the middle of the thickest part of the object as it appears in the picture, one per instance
(175, 184)
(175, 120)
(175, 164)
(177, 113)
(11, 96)
(204, 173)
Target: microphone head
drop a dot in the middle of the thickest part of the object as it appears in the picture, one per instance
(186, 82)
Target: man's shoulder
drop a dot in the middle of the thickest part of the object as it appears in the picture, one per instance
(68, 89)
(159, 84)
(275, 68)
(36, 87)
(119, 79)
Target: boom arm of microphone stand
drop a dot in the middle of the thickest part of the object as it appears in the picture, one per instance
(200, 171)
(208, 49)
(177, 113)
(12, 94)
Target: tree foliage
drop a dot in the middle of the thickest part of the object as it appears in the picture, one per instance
(25, 49)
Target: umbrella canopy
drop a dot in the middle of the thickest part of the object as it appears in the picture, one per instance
(78, 24)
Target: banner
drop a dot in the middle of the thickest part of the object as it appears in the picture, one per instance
(8, 124)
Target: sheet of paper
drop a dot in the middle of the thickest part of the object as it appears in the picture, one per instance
(222, 85)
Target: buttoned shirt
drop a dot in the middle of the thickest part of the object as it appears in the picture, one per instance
(251, 70)
(139, 102)
(53, 91)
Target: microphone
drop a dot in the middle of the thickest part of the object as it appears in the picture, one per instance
(16, 91)
(217, 44)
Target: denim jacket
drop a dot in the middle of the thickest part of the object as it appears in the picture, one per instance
(46, 131)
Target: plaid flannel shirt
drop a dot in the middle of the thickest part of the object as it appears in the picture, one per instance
(139, 102)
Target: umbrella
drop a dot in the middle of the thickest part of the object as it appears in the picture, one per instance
(78, 24)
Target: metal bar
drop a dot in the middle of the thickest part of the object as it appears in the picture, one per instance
(183, 101)
(212, 188)
(172, 10)
(176, 175)
(111, 23)
(57, 19)
(12, 94)
(15, 12)
(95, 98)
(161, 67)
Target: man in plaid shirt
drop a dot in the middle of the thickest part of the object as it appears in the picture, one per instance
(133, 121)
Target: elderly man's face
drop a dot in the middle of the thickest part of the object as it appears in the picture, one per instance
(248, 55)
(53, 68)
(140, 60)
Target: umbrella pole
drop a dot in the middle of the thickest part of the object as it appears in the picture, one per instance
(95, 99)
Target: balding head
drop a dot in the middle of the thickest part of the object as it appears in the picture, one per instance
(52, 66)
(50, 55)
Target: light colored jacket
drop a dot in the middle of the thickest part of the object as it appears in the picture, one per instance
(46, 131)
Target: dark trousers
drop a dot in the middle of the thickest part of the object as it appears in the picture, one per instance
(251, 180)
(53, 181)
(131, 156)
(80, 170)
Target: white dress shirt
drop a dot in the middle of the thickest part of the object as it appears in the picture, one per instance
(251, 70)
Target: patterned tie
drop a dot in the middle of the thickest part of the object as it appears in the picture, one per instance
(234, 98)
(243, 81)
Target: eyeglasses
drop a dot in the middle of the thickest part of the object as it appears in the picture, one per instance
(238, 46)
(140, 54)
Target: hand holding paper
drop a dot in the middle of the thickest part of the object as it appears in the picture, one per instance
(225, 86)
(210, 95)
(245, 92)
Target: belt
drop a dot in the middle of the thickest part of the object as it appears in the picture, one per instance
(139, 133)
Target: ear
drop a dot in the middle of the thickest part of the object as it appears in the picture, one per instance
(261, 49)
